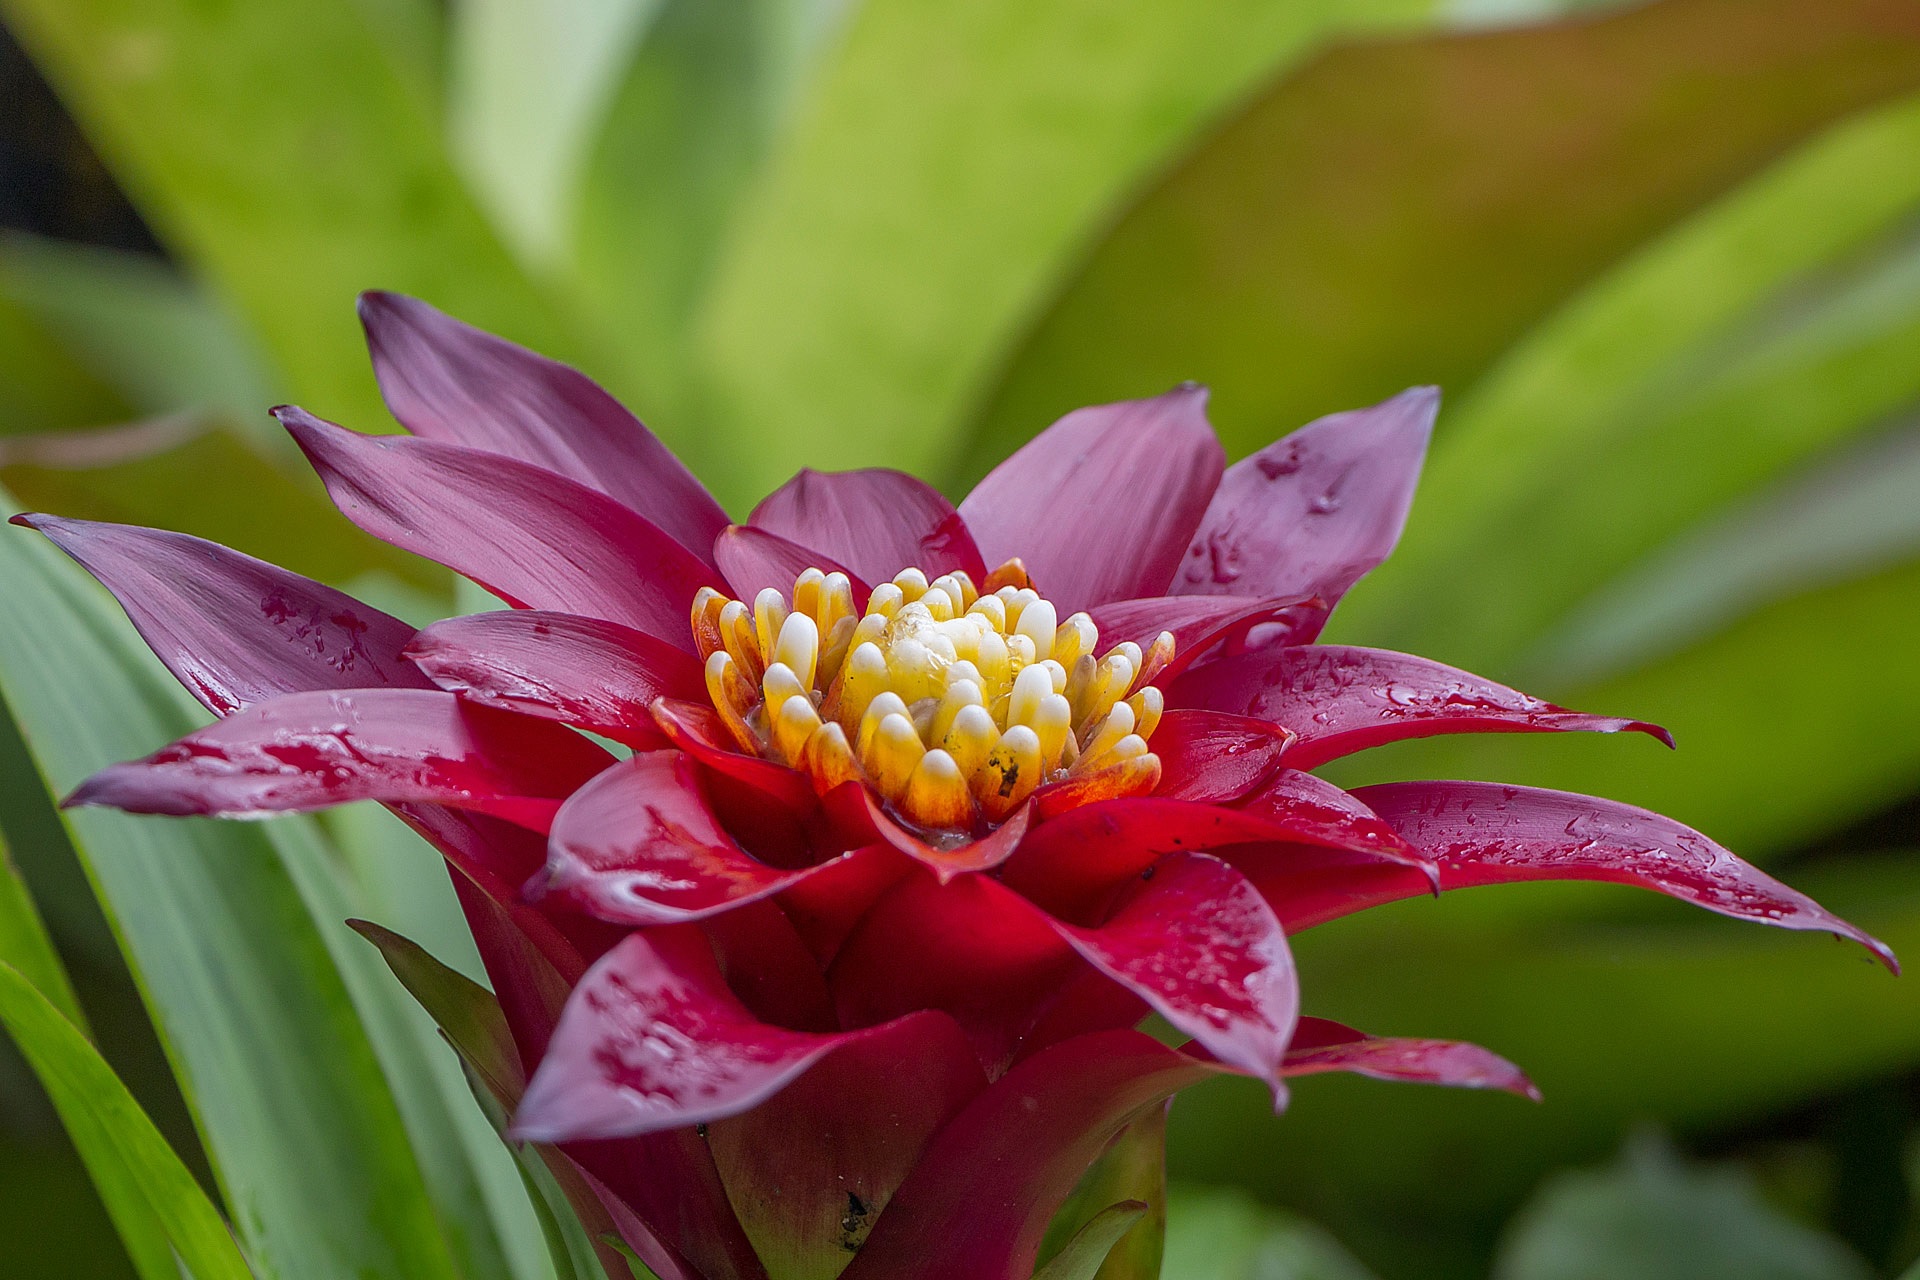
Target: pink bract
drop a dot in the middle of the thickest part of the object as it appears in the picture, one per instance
(781, 1030)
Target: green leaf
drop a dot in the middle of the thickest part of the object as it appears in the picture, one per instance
(301, 1129)
(1401, 212)
(948, 162)
(1621, 1005)
(1769, 329)
(465, 1011)
(293, 157)
(43, 386)
(529, 84)
(1084, 1256)
(1654, 1218)
(1223, 1235)
(25, 945)
(1133, 1169)
(143, 328)
(690, 126)
(1855, 515)
(144, 1185)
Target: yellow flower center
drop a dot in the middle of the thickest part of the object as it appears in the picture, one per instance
(951, 704)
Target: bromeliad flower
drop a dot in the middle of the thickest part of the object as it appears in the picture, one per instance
(834, 967)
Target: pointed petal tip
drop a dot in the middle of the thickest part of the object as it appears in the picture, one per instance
(32, 520)
(1659, 733)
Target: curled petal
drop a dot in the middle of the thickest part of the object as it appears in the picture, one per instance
(1320, 1045)
(449, 381)
(587, 672)
(651, 1040)
(1212, 757)
(1313, 512)
(1200, 946)
(875, 522)
(695, 729)
(232, 629)
(638, 846)
(536, 539)
(1340, 699)
(312, 750)
(1101, 505)
(754, 559)
(978, 1202)
(861, 817)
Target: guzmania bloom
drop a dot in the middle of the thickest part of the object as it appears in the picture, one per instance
(833, 967)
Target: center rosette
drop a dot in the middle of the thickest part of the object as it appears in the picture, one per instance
(952, 703)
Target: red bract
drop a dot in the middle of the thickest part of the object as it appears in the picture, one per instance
(838, 970)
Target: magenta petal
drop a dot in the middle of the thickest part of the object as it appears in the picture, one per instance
(1070, 862)
(811, 1169)
(1320, 1045)
(1201, 946)
(1212, 757)
(534, 538)
(969, 948)
(980, 1199)
(639, 846)
(754, 559)
(858, 811)
(1101, 505)
(1198, 623)
(1341, 699)
(449, 381)
(232, 629)
(1489, 833)
(875, 522)
(651, 1039)
(312, 750)
(587, 672)
(1313, 512)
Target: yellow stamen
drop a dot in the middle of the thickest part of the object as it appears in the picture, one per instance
(953, 702)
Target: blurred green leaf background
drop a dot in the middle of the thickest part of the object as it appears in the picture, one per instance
(1663, 257)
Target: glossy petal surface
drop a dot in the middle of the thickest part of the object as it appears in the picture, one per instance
(1320, 1045)
(651, 1039)
(232, 629)
(588, 672)
(1199, 944)
(1101, 505)
(978, 1203)
(1340, 699)
(1198, 623)
(810, 1170)
(311, 750)
(1314, 511)
(875, 522)
(1484, 833)
(639, 846)
(450, 381)
(1069, 862)
(1214, 758)
(754, 559)
(536, 539)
